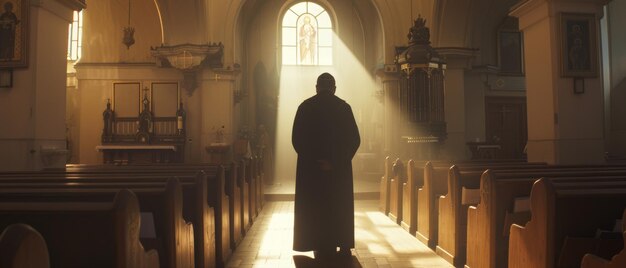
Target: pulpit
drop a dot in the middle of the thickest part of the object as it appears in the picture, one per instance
(421, 94)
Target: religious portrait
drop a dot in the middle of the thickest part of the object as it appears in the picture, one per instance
(307, 40)
(510, 52)
(578, 45)
(13, 33)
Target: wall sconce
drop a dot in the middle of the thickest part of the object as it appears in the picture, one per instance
(579, 85)
(6, 78)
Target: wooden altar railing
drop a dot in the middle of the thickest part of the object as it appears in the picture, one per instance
(142, 139)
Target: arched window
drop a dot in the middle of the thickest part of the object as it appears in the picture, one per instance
(307, 35)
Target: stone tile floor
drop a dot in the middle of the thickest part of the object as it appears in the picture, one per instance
(379, 242)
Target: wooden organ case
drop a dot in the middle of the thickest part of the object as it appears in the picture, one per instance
(143, 139)
(421, 94)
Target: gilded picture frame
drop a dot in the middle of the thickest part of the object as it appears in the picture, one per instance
(14, 19)
(579, 52)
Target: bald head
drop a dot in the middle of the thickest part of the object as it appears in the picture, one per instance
(325, 84)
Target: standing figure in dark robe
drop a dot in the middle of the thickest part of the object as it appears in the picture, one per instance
(326, 137)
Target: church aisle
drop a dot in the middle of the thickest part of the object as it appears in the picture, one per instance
(379, 242)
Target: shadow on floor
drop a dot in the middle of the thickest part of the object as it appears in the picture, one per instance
(337, 262)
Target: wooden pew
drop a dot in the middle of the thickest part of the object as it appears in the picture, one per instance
(561, 209)
(617, 261)
(451, 225)
(21, 246)
(200, 192)
(90, 234)
(234, 191)
(216, 250)
(434, 185)
(259, 175)
(415, 180)
(174, 236)
(385, 180)
(250, 179)
(487, 227)
(396, 181)
(242, 181)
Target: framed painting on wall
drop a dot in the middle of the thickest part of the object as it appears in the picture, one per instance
(14, 33)
(578, 45)
(510, 53)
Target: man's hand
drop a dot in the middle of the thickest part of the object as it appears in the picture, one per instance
(324, 165)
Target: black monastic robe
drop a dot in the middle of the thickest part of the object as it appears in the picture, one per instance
(324, 128)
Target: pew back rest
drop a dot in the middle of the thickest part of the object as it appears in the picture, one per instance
(69, 230)
(557, 210)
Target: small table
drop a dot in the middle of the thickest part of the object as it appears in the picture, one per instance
(483, 150)
(137, 154)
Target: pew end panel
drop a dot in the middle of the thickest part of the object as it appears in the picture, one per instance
(409, 197)
(427, 204)
(556, 210)
(452, 216)
(234, 204)
(245, 194)
(395, 191)
(21, 246)
(486, 244)
(384, 187)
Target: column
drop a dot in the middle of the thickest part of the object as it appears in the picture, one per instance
(32, 112)
(564, 94)
(458, 60)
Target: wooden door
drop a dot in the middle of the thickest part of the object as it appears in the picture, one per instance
(506, 125)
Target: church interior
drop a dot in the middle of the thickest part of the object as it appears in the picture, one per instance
(487, 127)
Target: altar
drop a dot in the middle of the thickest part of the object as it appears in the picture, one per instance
(144, 138)
(138, 154)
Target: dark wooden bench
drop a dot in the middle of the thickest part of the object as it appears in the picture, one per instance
(257, 170)
(415, 180)
(21, 246)
(174, 236)
(452, 212)
(616, 261)
(396, 180)
(86, 234)
(488, 222)
(201, 198)
(242, 181)
(435, 184)
(385, 180)
(215, 249)
(562, 209)
(250, 180)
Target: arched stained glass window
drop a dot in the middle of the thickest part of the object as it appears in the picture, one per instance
(307, 35)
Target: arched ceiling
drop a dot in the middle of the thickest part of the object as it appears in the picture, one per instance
(470, 24)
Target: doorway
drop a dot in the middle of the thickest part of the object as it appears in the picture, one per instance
(506, 125)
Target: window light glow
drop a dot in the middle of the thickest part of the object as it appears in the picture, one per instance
(307, 35)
